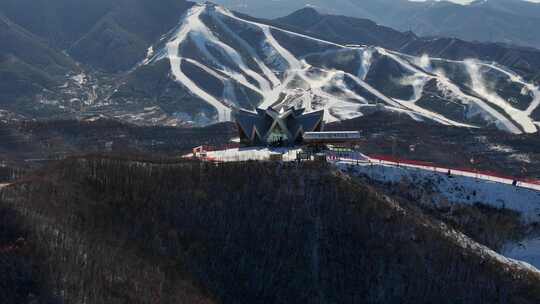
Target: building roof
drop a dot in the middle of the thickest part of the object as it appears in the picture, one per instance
(263, 125)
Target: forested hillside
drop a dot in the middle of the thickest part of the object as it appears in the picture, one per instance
(32, 142)
(139, 231)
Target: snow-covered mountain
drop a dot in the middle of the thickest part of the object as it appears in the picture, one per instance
(225, 60)
(507, 21)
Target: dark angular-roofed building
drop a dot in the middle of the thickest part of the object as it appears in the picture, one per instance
(285, 126)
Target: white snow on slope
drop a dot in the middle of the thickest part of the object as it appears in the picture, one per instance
(457, 189)
(454, 92)
(191, 23)
(297, 67)
(479, 87)
(367, 55)
(527, 250)
(535, 91)
(338, 100)
(467, 190)
(467, 243)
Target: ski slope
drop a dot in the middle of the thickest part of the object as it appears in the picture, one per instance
(267, 66)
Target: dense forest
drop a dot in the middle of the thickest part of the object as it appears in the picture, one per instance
(28, 145)
(99, 229)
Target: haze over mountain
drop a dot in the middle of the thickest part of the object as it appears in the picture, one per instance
(509, 21)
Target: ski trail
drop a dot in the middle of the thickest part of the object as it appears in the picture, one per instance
(224, 113)
(366, 55)
(419, 78)
(229, 94)
(406, 64)
(203, 36)
(332, 102)
(520, 117)
(205, 68)
(293, 63)
(409, 105)
(502, 121)
(418, 83)
(479, 87)
(374, 91)
(268, 85)
(228, 13)
(434, 116)
(518, 79)
(267, 72)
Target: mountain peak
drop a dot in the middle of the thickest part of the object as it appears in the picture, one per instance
(309, 12)
(304, 17)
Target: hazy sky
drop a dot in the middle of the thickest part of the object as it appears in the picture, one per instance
(469, 1)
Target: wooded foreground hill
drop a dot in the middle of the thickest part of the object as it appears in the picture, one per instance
(108, 230)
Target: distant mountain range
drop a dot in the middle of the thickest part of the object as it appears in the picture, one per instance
(507, 21)
(181, 63)
(348, 30)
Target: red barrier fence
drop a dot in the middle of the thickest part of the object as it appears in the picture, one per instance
(468, 170)
(402, 161)
(205, 148)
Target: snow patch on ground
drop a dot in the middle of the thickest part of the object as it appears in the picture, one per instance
(500, 148)
(251, 153)
(80, 79)
(467, 190)
(527, 250)
(456, 189)
(521, 157)
(486, 252)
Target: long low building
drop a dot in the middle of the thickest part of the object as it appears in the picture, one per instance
(331, 137)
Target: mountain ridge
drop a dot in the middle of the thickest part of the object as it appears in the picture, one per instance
(510, 21)
(301, 61)
(202, 67)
